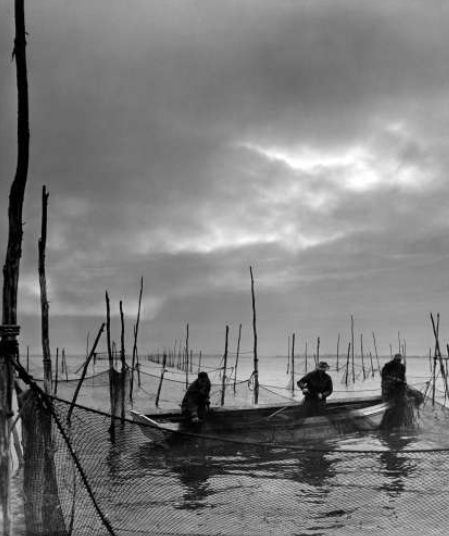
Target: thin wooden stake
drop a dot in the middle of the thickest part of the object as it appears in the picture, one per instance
(256, 359)
(225, 364)
(237, 355)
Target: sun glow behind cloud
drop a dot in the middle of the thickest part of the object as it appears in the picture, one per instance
(355, 168)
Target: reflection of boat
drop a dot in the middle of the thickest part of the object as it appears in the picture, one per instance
(278, 424)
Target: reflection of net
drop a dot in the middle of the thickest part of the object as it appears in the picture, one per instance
(131, 487)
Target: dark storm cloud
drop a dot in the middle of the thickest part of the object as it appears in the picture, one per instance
(185, 141)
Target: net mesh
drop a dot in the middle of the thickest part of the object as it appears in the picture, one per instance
(123, 484)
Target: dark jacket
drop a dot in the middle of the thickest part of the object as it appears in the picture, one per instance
(317, 382)
(393, 379)
(196, 399)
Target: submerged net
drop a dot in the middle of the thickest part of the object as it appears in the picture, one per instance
(122, 484)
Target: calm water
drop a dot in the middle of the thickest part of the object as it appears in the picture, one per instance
(363, 484)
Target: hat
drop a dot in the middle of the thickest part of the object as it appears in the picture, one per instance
(203, 375)
(322, 365)
(397, 357)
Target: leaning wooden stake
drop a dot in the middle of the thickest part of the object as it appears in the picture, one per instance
(164, 364)
(136, 332)
(292, 368)
(237, 356)
(256, 359)
(225, 365)
(338, 348)
(9, 330)
(83, 374)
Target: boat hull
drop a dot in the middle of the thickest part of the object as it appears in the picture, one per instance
(275, 424)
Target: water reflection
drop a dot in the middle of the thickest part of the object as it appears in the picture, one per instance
(397, 467)
(194, 475)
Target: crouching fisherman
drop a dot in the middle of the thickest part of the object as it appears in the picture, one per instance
(402, 398)
(316, 387)
(394, 383)
(196, 401)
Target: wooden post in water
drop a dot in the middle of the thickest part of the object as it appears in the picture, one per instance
(55, 389)
(372, 364)
(439, 357)
(48, 380)
(377, 354)
(362, 356)
(187, 356)
(306, 358)
(225, 364)
(338, 348)
(123, 362)
(256, 359)
(164, 364)
(347, 365)
(352, 349)
(111, 368)
(28, 359)
(83, 373)
(237, 355)
(288, 355)
(292, 367)
(9, 331)
(136, 332)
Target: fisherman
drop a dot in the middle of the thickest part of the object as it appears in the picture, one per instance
(394, 384)
(196, 400)
(316, 387)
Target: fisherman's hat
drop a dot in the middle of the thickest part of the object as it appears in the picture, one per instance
(322, 365)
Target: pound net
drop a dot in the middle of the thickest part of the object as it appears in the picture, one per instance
(122, 484)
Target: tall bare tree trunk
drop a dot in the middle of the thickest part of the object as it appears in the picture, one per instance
(9, 330)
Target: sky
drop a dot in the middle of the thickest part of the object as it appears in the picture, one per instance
(184, 141)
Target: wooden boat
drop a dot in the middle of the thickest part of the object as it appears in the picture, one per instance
(266, 424)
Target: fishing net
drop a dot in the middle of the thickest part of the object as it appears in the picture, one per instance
(108, 478)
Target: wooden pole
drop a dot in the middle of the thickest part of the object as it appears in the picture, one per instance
(375, 350)
(9, 349)
(83, 374)
(225, 364)
(187, 356)
(318, 350)
(347, 365)
(111, 367)
(306, 358)
(55, 389)
(288, 355)
(352, 349)
(237, 355)
(123, 362)
(42, 244)
(164, 364)
(338, 348)
(256, 359)
(136, 331)
(362, 356)
(292, 368)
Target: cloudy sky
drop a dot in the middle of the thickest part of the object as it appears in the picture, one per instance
(184, 141)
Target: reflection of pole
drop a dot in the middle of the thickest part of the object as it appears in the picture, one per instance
(256, 359)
